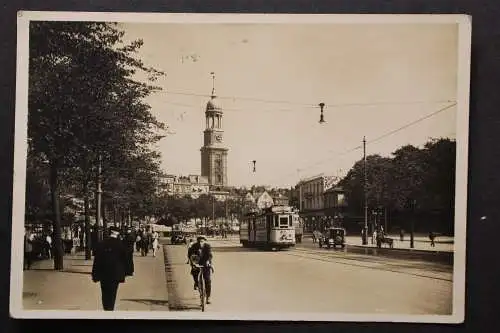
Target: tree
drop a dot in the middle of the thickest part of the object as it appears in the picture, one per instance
(378, 185)
(84, 104)
(425, 176)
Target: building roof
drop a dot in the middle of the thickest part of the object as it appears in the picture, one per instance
(310, 179)
(335, 189)
(214, 104)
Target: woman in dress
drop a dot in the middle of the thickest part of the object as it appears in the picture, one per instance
(156, 244)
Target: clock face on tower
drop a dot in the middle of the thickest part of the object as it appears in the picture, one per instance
(218, 137)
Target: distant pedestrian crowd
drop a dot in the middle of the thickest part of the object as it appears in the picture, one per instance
(37, 246)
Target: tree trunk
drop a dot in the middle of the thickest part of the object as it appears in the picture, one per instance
(104, 218)
(88, 241)
(54, 192)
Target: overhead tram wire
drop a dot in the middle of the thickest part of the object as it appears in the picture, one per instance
(240, 98)
(412, 123)
(301, 109)
(306, 105)
(346, 152)
(238, 109)
(376, 139)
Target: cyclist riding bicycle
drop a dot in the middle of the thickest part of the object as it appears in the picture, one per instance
(200, 253)
(191, 242)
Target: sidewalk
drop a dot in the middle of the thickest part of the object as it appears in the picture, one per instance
(73, 289)
(419, 244)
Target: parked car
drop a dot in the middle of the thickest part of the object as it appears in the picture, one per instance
(333, 237)
(178, 238)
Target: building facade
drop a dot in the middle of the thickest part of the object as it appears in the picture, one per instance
(181, 186)
(213, 152)
(264, 200)
(335, 206)
(281, 200)
(313, 205)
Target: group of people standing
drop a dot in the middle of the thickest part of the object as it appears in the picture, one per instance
(147, 240)
(36, 246)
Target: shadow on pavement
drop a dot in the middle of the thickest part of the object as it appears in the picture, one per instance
(147, 301)
(232, 249)
(63, 271)
(78, 265)
(79, 258)
(76, 272)
(184, 307)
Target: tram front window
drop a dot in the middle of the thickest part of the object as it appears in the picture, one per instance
(284, 222)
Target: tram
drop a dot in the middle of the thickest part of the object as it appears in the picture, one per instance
(272, 227)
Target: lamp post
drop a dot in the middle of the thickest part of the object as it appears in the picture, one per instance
(99, 221)
(321, 116)
(365, 230)
(412, 231)
(385, 220)
(213, 210)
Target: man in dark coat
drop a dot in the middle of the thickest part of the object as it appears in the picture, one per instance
(129, 242)
(109, 267)
(201, 253)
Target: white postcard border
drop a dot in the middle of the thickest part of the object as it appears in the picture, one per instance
(20, 150)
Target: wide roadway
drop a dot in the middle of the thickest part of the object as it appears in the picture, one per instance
(311, 280)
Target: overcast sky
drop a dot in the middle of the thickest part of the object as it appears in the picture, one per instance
(395, 73)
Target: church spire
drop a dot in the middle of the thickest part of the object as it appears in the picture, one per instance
(213, 84)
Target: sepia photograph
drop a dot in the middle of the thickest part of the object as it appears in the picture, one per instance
(241, 167)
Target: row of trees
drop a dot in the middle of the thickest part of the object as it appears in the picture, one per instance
(420, 181)
(181, 209)
(88, 122)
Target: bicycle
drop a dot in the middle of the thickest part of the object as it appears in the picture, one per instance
(201, 284)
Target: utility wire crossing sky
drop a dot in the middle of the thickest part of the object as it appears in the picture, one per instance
(387, 82)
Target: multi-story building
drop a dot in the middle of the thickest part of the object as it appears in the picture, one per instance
(281, 199)
(192, 185)
(309, 195)
(335, 205)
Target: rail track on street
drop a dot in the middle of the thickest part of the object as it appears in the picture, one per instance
(413, 267)
(423, 269)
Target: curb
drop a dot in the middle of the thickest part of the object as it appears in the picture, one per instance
(175, 302)
(401, 250)
(406, 254)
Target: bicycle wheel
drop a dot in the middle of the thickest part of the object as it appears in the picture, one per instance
(201, 287)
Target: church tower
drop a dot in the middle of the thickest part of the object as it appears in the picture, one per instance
(213, 152)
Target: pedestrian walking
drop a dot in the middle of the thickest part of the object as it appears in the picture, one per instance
(146, 239)
(48, 246)
(401, 235)
(156, 244)
(432, 237)
(28, 249)
(138, 239)
(129, 242)
(109, 267)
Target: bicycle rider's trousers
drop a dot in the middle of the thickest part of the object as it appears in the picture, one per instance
(206, 276)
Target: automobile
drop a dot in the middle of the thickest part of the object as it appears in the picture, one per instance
(178, 239)
(333, 237)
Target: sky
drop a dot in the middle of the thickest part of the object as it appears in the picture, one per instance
(270, 78)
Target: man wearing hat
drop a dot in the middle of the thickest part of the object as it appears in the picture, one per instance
(110, 267)
(201, 253)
